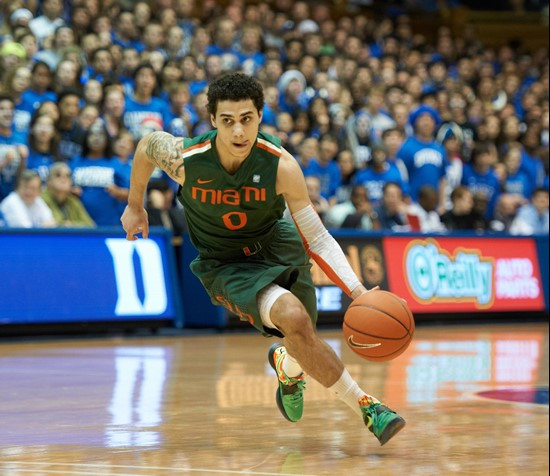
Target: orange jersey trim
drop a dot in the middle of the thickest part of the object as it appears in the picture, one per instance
(272, 150)
(192, 150)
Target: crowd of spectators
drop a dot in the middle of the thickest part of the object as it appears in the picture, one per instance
(392, 130)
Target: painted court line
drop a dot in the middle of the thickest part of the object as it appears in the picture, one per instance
(67, 472)
(144, 468)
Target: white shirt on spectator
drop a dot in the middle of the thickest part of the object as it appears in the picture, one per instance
(336, 215)
(43, 27)
(429, 221)
(18, 214)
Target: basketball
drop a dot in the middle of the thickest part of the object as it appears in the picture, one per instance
(378, 326)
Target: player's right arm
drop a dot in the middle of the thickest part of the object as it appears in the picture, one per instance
(319, 243)
(158, 149)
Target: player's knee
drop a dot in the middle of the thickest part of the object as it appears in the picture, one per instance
(291, 317)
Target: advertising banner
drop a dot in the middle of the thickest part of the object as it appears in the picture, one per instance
(445, 275)
(465, 274)
(57, 276)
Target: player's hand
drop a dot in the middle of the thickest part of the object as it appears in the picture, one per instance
(362, 290)
(134, 221)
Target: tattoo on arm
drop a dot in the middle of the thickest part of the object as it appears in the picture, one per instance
(165, 151)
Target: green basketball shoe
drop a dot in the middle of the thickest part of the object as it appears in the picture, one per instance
(290, 394)
(380, 420)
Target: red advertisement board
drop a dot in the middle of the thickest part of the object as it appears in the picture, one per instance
(457, 274)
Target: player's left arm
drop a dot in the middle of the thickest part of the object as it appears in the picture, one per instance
(319, 243)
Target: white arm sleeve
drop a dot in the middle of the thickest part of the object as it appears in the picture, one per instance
(324, 249)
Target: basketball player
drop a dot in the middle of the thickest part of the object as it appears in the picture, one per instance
(234, 183)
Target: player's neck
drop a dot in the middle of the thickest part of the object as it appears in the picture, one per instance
(230, 162)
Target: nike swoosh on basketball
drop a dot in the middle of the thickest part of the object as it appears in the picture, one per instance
(199, 181)
(361, 346)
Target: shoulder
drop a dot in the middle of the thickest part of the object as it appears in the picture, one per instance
(158, 142)
(361, 175)
(160, 103)
(12, 199)
(440, 148)
(467, 168)
(270, 144)
(526, 211)
(289, 173)
(200, 143)
(287, 163)
(407, 145)
(42, 206)
(392, 167)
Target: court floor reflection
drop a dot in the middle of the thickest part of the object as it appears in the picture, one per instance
(205, 405)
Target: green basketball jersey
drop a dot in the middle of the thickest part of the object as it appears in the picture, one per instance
(230, 213)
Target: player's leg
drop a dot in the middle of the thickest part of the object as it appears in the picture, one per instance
(290, 392)
(316, 357)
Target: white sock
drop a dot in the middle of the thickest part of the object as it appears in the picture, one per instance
(347, 390)
(291, 367)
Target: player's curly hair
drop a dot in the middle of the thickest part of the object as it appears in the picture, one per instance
(234, 87)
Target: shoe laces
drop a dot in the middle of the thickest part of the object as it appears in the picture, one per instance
(369, 410)
(294, 392)
(283, 378)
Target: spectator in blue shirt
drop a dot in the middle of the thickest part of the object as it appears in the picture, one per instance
(378, 173)
(42, 145)
(250, 55)
(425, 159)
(41, 81)
(348, 171)
(391, 211)
(271, 106)
(153, 38)
(533, 218)
(100, 178)
(480, 177)
(102, 65)
(516, 181)
(13, 149)
(179, 115)
(67, 75)
(144, 112)
(125, 32)
(224, 39)
(71, 135)
(112, 109)
(325, 167)
(128, 64)
(291, 86)
(17, 81)
(307, 151)
(530, 155)
(511, 133)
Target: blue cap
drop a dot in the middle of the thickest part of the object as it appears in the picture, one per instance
(424, 109)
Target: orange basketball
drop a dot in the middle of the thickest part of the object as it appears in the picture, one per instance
(378, 326)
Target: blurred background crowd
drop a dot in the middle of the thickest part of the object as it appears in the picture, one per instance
(393, 129)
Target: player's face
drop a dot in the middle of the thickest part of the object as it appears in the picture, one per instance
(237, 123)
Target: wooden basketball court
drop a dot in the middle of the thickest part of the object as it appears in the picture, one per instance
(204, 405)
